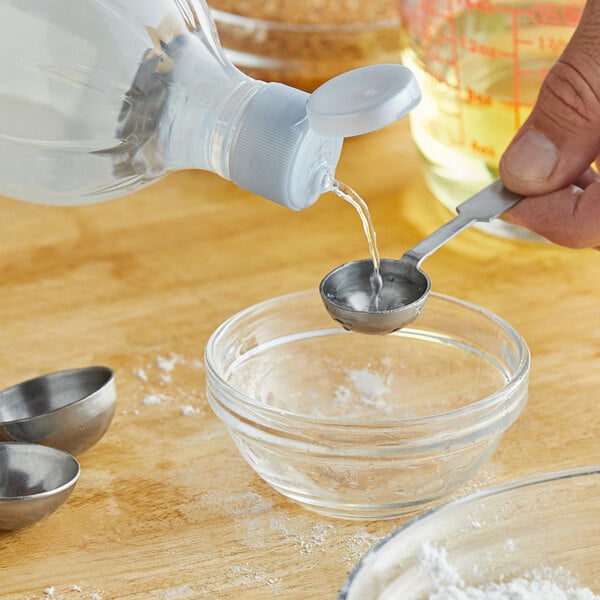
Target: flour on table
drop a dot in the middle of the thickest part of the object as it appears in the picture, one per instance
(540, 584)
(238, 504)
(178, 592)
(167, 364)
(306, 539)
(246, 575)
(141, 374)
(152, 399)
(359, 543)
(160, 387)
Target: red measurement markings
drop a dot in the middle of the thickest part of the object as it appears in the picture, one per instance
(555, 14)
(538, 74)
(431, 8)
(516, 78)
(474, 97)
(474, 46)
(482, 149)
(474, 5)
(548, 43)
(451, 8)
(512, 104)
(442, 59)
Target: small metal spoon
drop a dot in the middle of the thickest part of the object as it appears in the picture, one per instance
(355, 298)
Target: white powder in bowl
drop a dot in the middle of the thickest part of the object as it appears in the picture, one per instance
(541, 584)
(521, 588)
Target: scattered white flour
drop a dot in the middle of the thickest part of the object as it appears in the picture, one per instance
(167, 364)
(248, 575)
(306, 540)
(159, 372)
(239, 504)
(178, 591)
(95, 597)
(540, 584)
(141, 374)
(152, 399)
(359, 543)
(49, 591)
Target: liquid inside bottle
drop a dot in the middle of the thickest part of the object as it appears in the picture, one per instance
(99, 98)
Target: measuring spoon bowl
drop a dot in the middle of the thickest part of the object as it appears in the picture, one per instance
(34, 481)
(69, 410)
(353, 296)
(349, 296)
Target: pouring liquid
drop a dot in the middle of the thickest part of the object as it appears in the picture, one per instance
(346, 193)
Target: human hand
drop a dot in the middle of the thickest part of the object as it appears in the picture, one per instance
(549, 159)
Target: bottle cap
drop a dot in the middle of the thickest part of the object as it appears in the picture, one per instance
(277, 154)
(363, 100)
(288, 143)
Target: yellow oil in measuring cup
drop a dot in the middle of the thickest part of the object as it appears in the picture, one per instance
(480, 64)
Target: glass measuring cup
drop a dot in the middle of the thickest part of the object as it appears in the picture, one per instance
(480, 64)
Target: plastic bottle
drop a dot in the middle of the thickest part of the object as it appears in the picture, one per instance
(99, 98)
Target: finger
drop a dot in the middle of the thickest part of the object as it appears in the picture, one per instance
(561, 137)
(588, 177)
(569, 217)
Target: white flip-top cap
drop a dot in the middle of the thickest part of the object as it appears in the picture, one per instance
(363, 100)
(288, 143)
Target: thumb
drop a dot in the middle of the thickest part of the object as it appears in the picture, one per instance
(561, 137)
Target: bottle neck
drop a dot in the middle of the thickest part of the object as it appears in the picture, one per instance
(206, 102)
(254, 133)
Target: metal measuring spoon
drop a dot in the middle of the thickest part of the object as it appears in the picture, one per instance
(34, 481)
(68, 410)
(361, 302)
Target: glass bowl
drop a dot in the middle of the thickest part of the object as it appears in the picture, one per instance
(361, 426)
(539, 536)
(306, 43)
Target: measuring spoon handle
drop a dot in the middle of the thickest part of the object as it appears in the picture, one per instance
(485, 205)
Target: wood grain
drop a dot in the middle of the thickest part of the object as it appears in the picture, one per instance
(166, 507)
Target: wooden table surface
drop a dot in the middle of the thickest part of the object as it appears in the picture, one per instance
(165, 506)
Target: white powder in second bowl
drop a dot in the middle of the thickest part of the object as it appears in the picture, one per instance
(541, 584)
(536, 588)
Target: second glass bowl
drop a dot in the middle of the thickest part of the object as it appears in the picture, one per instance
(535, 537)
